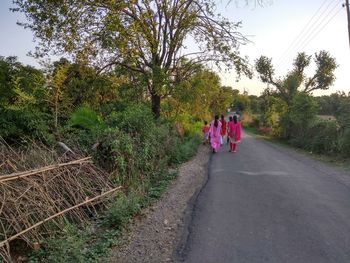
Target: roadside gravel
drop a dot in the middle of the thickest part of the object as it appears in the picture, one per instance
(159, 233)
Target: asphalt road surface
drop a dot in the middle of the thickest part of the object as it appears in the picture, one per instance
(267, 203)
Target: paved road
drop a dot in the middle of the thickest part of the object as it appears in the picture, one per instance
(267, 203)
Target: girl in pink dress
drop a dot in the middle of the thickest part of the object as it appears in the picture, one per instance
(215, 134)
(234, 133)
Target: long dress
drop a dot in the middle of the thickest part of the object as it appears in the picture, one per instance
(234, 133)
(215, 136)
(223, 130)
(231, 130)
(238, 132)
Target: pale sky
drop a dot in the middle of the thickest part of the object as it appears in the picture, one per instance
(283, 28)
(278, 30)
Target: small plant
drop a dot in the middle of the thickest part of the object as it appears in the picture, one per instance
(184, 149)
(121, 209)
(86, 118)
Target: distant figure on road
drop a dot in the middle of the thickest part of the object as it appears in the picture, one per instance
(205, 130)
(215, 134)
(223, 128)
(230, 119)
(234, 132)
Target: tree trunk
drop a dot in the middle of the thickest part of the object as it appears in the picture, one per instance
(155, 105)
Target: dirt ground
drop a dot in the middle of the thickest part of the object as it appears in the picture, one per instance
(158, 235)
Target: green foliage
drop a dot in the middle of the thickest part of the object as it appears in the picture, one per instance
(134, 36)
(184, 149)
(17, 124)
(159, 185)
(331, 105)
(323, 136)
(134, 119)
(302, 112)
(344, 142)
(22, 110)
(73, 85)
(121, 209)
(343, 113)
(76, 245)
(318, 137)
(136, 145)
(117, 154)
(67, 247)
(86, 118)
(198, 96)
(303, 109)
(193, 128)
(241, 102)
(287, 87)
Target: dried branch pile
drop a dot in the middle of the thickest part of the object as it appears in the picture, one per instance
(33, 201)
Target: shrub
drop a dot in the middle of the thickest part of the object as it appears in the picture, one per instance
(344, 143)
(184, 149)
(68, 247)
(121, 208)
(86, 118)
(192, 128)
(135, 119)
(246, 119)
(16, 124)
(322, 137)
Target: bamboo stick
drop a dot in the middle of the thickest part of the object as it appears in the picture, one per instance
(6, 241)
(14, 176)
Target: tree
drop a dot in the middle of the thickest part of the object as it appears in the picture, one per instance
(296, 80)
(22, 101)
(199, 96)
(71, 85)
(241, 102)
(147, 37)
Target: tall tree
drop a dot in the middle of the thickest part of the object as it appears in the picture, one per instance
(146, 37)
(296, 80)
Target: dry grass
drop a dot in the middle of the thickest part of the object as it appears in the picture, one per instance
(39, 190)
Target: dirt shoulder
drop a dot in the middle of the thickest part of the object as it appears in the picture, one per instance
(158, 235)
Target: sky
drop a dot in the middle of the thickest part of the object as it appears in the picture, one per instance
(279, 29)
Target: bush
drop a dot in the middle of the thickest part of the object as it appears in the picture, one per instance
(192, 128)
(68, 247)
(135, 119)
(116, 154)
(122, 208)
(344, 143)
(184, 149)
(323, 137)
(16, 124)
(137, 150)
(246, 119)
(135, 144)
(319, 137)
(86, 118)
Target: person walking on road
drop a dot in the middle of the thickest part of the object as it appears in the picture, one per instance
(234, 133)
(205, 130)
(223, 129)
(215, 134)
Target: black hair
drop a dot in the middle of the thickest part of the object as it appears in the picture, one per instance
(230, 118)
(205, 122)
(216, 121)
(235, 119)
(222, 117)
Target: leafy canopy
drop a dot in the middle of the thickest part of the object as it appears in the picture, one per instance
(296, 80)
(146, 36)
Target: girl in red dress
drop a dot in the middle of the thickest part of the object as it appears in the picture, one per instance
(234, 133)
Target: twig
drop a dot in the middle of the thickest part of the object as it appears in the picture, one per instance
(13, 176)
(6, 241)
